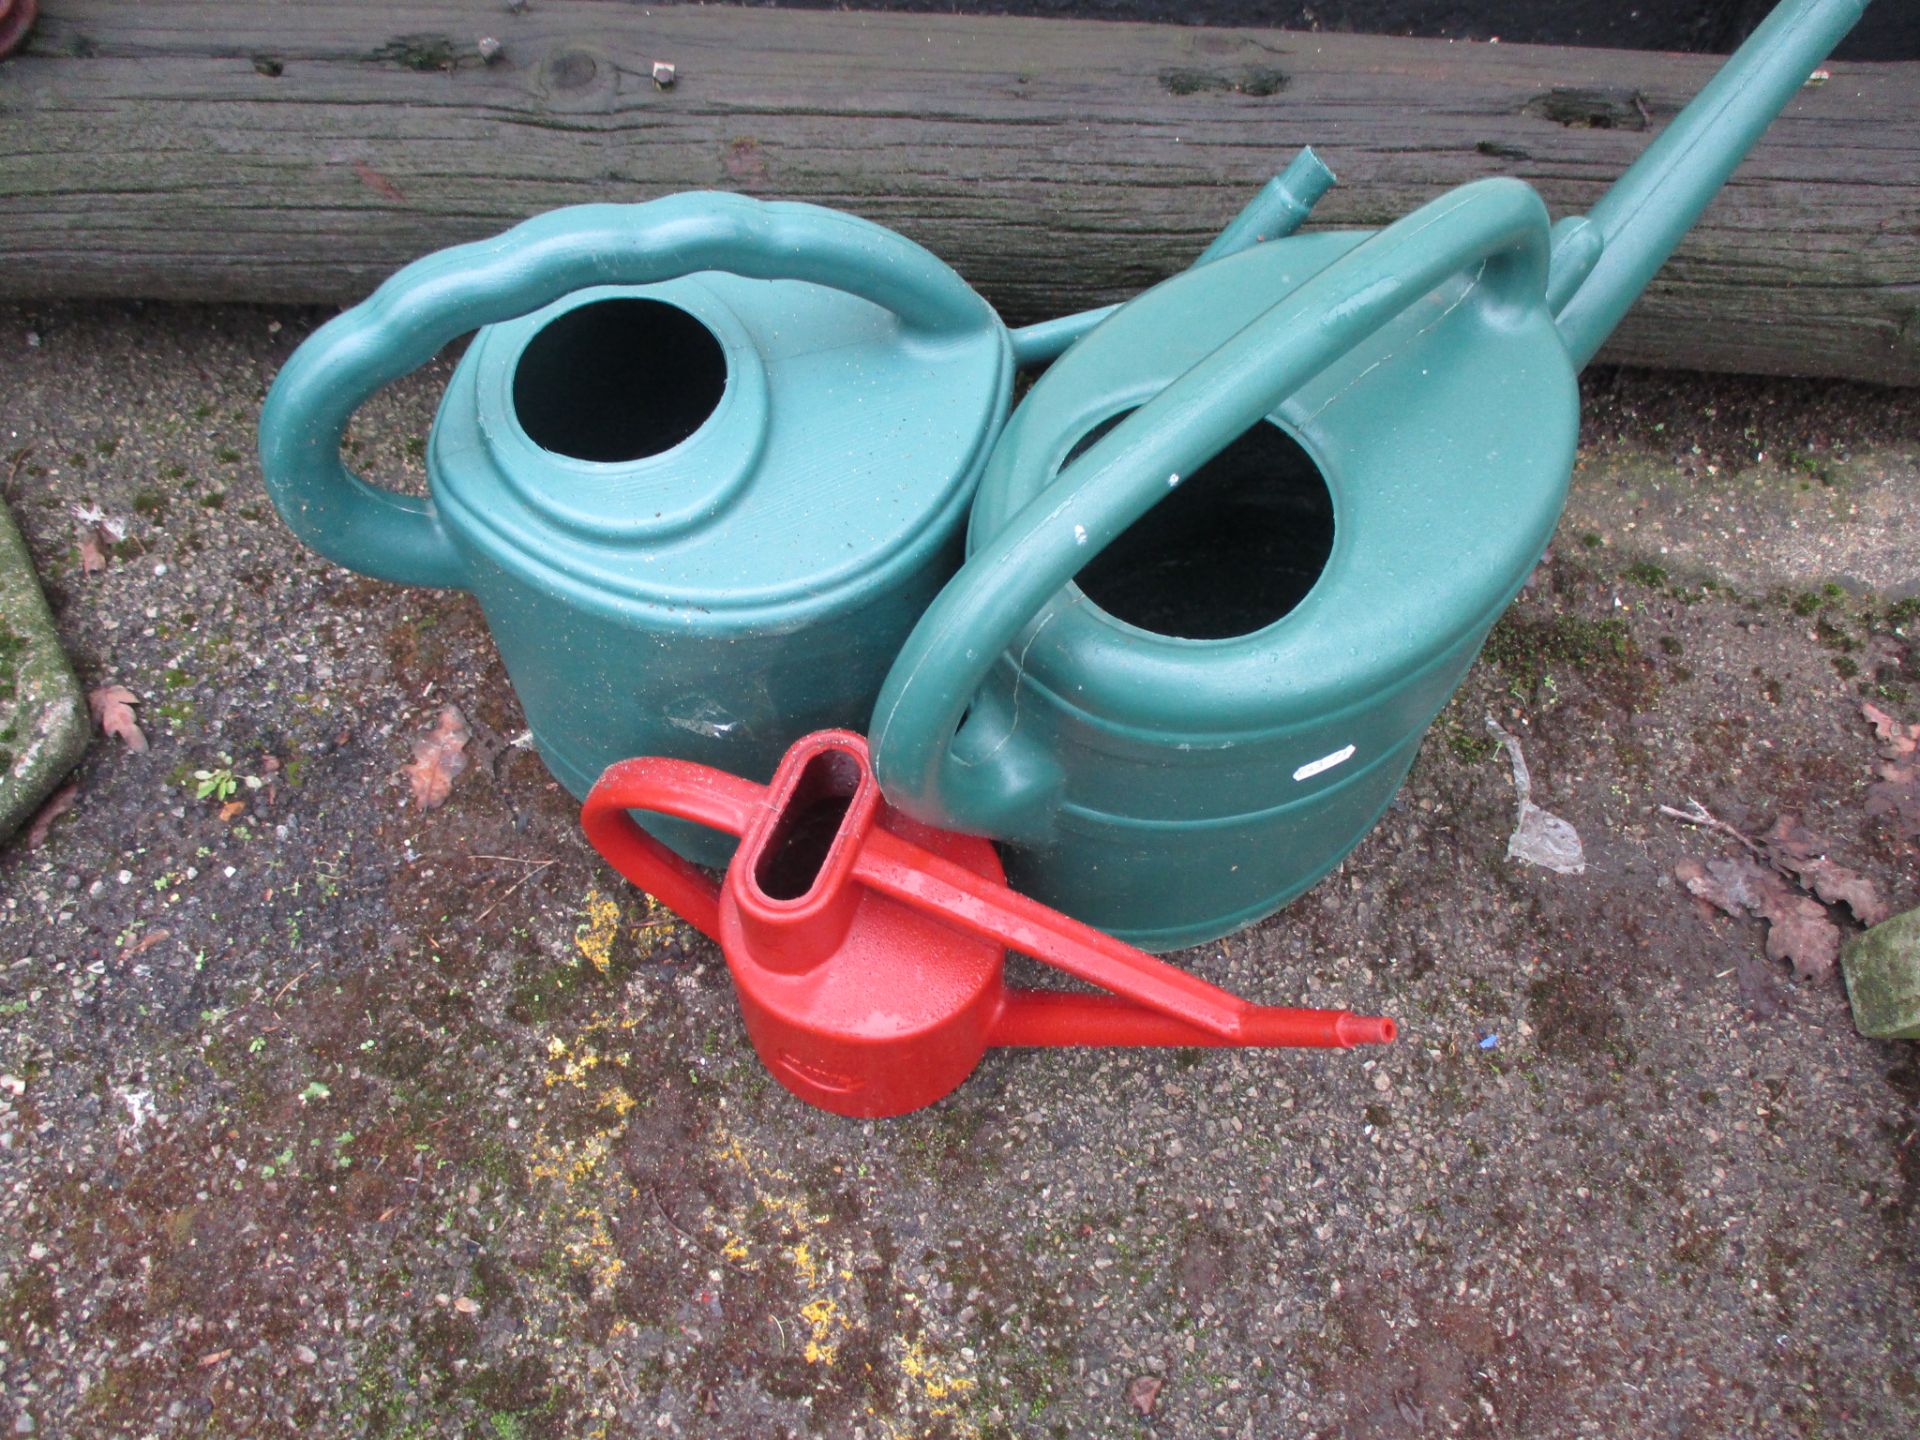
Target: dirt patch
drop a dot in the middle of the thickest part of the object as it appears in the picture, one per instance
(422, 1124)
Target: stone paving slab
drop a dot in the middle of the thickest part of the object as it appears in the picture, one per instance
(43, 719)
(322, 1115)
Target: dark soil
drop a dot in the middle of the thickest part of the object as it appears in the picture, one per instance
(324, 1115)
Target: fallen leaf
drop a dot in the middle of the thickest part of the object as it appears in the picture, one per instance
(1725, 883)
(112, 707)
(1794, 847)
(1142, 1392)
(1799, 930)
(214, 1357)
(1896, 740)
(93, 555)
(466, 1305)
(232, 808)
(1896, 795)
(378, 183)
(145, 943)
(58, 803)
(438, 757)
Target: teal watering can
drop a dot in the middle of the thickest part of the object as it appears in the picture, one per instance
(704, 465)
(1224, 571)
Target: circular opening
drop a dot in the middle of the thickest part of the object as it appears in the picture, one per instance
(618, 380)
(1233, 548)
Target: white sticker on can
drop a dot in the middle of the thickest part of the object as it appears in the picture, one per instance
(1324, 763)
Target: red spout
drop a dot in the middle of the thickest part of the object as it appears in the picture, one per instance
(868, 949)
(1052, 1017)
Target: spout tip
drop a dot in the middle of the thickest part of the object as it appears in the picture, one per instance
(1366, 1030)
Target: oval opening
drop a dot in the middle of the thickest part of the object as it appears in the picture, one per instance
(1233, 548)
(790, 861)
(618, 380)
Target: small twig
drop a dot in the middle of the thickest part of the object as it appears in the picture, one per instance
(693, 1240)
(511, 859)
(1699, 815)
(511, 888)
(291, 983)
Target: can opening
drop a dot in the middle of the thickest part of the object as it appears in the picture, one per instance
(618, 380)
(1233, 548)
(790, 861)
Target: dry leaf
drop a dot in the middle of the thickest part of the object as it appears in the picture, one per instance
(214, 1357)
(1793, 847)
(438, 758)
(145, 943)
(232, 808)
(1896, 795)
(1896, 740)
(93, 555)
(112, 707)
(1799, 930)
(1142, 1392)
(58, 803)
(1725, 883)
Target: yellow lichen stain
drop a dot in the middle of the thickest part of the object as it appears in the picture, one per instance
(823, 1318)
(810, 1273)
(589, 1186)
(928, 1389)
(944, 1388)
(660, 923)
(575, 1065)
(595, 936)
(777, 1197)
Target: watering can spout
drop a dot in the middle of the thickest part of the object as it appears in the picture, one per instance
(1600, 269)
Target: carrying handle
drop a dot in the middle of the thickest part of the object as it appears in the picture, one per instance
(969, 901)
(686, 791)
(1496, 228)
(1149, 1002)
(403, 324)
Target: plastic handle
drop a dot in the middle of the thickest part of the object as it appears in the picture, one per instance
(961, 898)
(681, 789)
(1497, 227)
(434, 300)
(1150, 1002)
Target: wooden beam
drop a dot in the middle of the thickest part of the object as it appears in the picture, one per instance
(250, 150)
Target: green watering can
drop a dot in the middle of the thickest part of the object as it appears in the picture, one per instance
(704, 465)
(1180, 725)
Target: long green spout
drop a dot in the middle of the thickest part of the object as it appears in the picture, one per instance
(1641, 219)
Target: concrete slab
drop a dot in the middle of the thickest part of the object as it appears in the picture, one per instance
(330, 1115)
(43, 719)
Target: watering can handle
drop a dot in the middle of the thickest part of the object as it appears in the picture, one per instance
(1496, 229)
(681, 789)
(403, 324)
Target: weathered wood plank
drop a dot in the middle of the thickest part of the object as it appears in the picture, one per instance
(181, 148)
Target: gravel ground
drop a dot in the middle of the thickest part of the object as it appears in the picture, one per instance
(324, 1115)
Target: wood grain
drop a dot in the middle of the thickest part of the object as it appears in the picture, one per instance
(262, 151)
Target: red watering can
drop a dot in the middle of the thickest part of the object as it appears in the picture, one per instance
(868, 949)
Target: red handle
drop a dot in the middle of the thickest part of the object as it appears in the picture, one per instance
(1153, 1003)
(681, 789)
